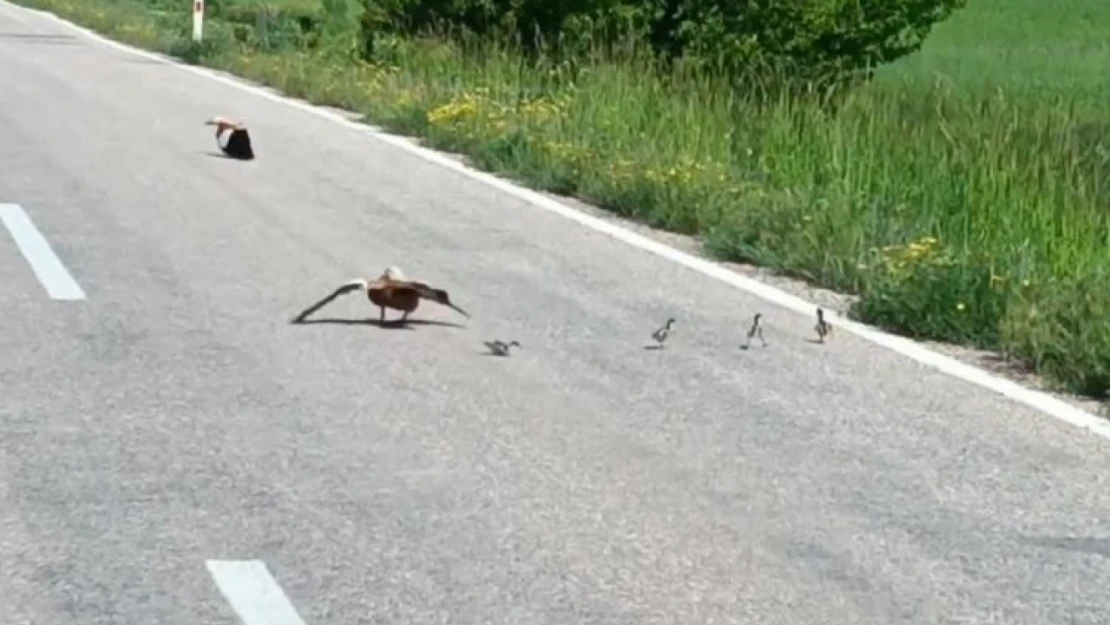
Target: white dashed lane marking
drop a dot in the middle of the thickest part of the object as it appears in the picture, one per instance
(253, 593)
(48, 268)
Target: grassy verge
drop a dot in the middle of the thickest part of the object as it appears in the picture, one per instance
(969, 208)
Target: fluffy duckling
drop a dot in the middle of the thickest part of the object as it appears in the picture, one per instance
(755, 330)
(500, 348)
(660, 336)
(823, 328)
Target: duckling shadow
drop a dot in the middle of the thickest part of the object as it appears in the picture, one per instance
(814, 341)
(384, 325)
(653, 348)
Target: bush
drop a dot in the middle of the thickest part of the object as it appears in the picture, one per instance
(923, 290)
(529, 21)
(271, 27)
(791, 44)
(807, 43)
(1059, 328)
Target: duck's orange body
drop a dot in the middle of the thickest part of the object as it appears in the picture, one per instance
(405, 295)
(390, 296)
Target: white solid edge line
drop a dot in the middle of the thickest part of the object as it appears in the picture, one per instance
(45, 264)
(253, 593)
(1035, 399)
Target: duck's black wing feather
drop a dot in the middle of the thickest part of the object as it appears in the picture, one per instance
(239, 145)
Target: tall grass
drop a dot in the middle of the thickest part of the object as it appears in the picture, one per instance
(962, 195)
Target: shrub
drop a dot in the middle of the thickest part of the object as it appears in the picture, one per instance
(792, 44)
(923, 290)
(805, 43)
(1059, 328)
(271, 27)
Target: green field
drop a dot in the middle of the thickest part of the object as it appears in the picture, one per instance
(963, 196)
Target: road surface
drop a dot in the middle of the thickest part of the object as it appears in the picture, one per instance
(173, 416)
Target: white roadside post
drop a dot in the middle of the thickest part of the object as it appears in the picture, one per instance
(198, 20)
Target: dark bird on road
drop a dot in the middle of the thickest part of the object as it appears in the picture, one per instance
(232, 137)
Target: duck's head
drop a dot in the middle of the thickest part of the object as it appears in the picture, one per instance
(393, 272)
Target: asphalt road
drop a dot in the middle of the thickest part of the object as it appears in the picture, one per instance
(401, 476)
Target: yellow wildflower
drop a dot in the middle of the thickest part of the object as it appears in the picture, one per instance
(458, 109)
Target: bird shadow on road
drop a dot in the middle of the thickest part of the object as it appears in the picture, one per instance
(384, 325)
(146, 61)
(1080, 544)
(653, 347)
(37, 38)
(225, 157)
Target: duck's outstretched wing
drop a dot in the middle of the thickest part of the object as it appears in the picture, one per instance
(430, 293)
(353, 285)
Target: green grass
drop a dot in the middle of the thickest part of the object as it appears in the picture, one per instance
(963, 196)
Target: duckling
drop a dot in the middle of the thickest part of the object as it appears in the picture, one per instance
(823, 328)
(389, 290)
(755, 330)
(500, 348)
(232, 138)
(661, 335)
